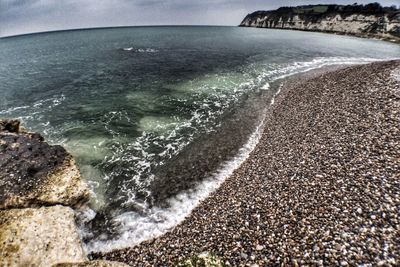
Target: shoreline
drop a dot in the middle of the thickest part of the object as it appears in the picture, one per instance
(233, 234)
(390, 39)
(182, 204)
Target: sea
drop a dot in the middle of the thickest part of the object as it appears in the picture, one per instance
(158, 117)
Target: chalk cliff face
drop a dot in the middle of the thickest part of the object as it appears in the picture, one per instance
(364, 21)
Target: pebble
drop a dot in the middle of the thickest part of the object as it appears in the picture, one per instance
(259, 247)
(244, 255)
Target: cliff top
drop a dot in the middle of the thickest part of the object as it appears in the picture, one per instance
(369, 9)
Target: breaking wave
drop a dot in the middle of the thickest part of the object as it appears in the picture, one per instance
(140, 50)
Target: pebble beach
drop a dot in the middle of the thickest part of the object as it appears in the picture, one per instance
(322, 187)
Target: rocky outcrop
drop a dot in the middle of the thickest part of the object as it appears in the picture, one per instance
(363, 21)
(40, 185)
(34, 173)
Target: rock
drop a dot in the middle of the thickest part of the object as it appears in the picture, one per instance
(39, 237)
(243, 255)
(98, 263)
(35, 173)
(259, 247)
(11, 126)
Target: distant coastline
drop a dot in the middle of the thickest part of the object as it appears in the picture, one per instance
(365, 21)
(107, 27)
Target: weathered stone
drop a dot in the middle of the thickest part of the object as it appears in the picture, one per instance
(10, 126)
(34, 173)
(39, 237)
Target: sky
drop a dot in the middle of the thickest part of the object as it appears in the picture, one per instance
(27, 16)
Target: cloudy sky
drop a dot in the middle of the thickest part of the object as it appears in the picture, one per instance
(25, 16)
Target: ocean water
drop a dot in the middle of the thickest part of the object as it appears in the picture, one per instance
(157, 117)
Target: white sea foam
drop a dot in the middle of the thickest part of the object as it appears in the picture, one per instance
(12, 109)
(141, 50)
(147, 50)
(300, 67)
(276, 94)
(266, 86)
(35, 111)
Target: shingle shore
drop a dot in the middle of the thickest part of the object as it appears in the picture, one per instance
(321, 188)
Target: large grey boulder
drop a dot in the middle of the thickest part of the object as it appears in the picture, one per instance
(39, 237)
(34, 173)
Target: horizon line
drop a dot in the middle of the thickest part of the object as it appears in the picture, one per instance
(113, 27)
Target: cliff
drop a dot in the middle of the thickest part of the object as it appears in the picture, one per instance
(370, 20)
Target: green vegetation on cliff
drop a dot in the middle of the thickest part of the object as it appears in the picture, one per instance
(372, 20)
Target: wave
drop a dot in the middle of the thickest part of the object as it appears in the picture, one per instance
(136, 227)
(36, 109)
(141, 50)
